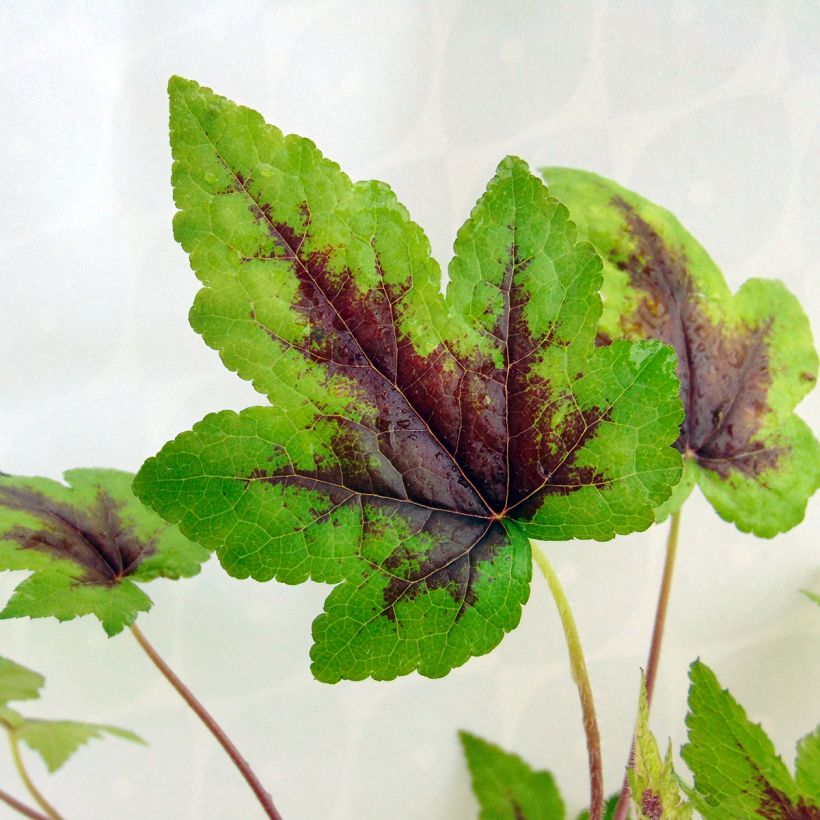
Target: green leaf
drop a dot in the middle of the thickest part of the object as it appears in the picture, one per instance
(655, 790)
(609, 809)
(87, 545)
(57, 740)
(737, 771)
(812, 596)
(413, 442)
(807, 774)
(506, 787)
(18, 683)
(744, 360)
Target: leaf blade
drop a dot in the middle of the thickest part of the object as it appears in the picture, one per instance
(506, 787)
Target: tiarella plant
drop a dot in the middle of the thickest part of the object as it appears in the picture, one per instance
(54, 740)
(412, 443)
(88, 545)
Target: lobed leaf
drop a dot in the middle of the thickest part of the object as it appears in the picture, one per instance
(413, 442)
(655, 791)
(744, 360)
(506, 787)
(737, 771)
(88, 545)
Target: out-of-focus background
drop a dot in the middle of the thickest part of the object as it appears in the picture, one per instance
(710, 108)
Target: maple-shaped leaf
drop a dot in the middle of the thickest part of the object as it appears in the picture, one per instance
(737, 771)
(744, 360)
(506, 787)
(54, 740)
(88, 546)
(652, 780)
(412, 442)
(18, 683)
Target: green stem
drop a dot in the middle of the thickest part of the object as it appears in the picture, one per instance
(213, 727)
(653, 662)
(581, 678)
(17, 805)
(49, 810)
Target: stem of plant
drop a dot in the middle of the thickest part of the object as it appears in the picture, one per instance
(49, 810)
(213, 727)
(21, 807)
(581, 678)
(653, 662)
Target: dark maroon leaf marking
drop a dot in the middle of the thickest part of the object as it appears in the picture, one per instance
(96, 539)
(652, 805)
(777, 806)
(445, 431)
(724, 375)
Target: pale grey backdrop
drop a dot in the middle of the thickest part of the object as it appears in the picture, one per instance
(711, 108)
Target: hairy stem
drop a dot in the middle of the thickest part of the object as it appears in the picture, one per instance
(653, 662)
(20, 807)
(581, 678)
(49, 810)
(213, 727)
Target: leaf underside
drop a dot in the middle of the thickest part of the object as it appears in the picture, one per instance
(87, 546)
(506, 787)
(413, 442)
(737, 771)
(744, 360)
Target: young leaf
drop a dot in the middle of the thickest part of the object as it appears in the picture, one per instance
(413, 442)
(655, 790)
(744, 360)
(506, 787)
(18, 683)
(87, 545)
(737, 772)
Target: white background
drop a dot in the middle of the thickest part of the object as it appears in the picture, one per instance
(710, 108)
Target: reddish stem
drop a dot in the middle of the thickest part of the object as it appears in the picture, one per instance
(21, 807)
(213, 727)
(653, 662)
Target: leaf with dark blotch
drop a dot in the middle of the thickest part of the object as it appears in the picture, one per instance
(506, 787)
(737, 771)
(655, 792)
(413, 442)
(87, 546)
(744, 360)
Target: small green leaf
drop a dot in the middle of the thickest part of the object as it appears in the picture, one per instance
(737, 771)
(57, 740)
(87, 545)
(18, 683)
(609, 809)
(745, 360)
(506, 787)
(652, 780)
(413, 442)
